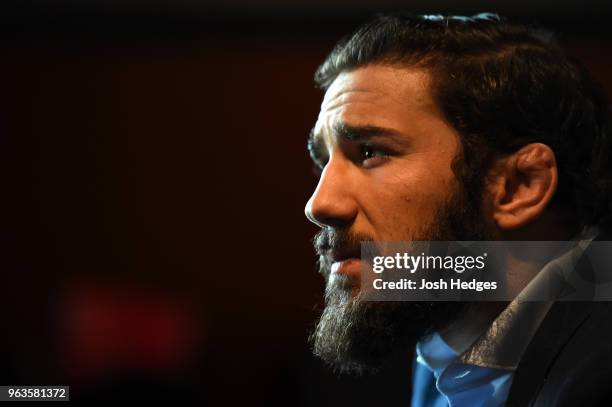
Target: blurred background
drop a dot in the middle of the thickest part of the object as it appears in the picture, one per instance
(154, 175)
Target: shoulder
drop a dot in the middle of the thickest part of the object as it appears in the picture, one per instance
(581, 370)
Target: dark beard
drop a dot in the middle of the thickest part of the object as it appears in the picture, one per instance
(353, 335)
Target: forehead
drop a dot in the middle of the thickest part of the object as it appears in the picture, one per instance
(379, 95)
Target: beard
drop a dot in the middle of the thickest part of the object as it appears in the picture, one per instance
(356, 336)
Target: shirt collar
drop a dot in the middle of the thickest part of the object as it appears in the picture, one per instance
(435, 353)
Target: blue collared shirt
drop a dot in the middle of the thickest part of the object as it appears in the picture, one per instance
(439, 380)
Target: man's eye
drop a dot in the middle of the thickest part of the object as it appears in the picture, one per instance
(369, 154)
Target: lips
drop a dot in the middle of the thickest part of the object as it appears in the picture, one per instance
(339, 251)
(348, 266)
(345, 261)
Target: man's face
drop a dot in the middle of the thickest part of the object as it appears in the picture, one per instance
(386, 155)
(386, 152)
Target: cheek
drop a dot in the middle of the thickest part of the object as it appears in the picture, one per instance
(406, 199)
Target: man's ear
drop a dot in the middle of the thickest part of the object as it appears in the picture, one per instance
(521, 185)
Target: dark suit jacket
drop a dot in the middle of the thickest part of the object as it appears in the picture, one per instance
(569, 360)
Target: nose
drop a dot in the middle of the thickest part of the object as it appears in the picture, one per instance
(333, 202)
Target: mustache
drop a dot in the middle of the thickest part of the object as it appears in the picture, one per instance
(338, 240)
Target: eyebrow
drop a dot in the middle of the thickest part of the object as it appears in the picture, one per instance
(316, 147)
(364, 132)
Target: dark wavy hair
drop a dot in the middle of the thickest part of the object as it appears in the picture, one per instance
(501, 85)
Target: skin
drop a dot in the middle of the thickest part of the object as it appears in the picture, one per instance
(384, 185)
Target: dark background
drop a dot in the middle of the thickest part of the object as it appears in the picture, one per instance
(154, 176)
